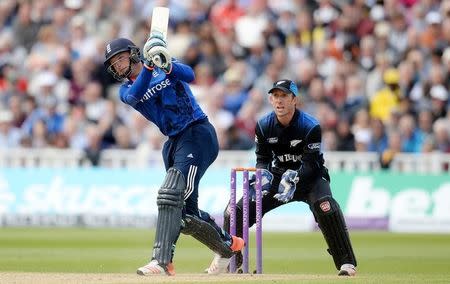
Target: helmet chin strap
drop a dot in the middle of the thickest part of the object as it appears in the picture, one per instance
(128, 73)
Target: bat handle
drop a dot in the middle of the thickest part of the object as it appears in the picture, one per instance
(157, 60)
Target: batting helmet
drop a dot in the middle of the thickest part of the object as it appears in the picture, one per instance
(117, 46)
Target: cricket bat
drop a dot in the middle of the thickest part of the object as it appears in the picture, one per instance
(160, 23)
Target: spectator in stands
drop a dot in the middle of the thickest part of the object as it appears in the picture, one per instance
(379, 140)
(258, 96)
(245, 119)
(110, 119)
(219, 117)
(355, 98)
(210, 56)
(235, 94)
(425, 122)
(386, 100)
(47, 116)
(25, 28)
(204, 79)
(439, 99)
(315, 97)
(442, 134)
(11, 81)
(394, 147)
(374, 80)
(93, 101)
(74, 128)
(225, 13)
(9, 135)
(236, 139)
(123, 138)
(244, 45)
(432, 33)
(16, 108)
(345, 138)
(412, 139)
(330, 141)
(93, 147)
(39, 135)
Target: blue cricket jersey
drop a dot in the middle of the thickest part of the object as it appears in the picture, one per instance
(164, 98)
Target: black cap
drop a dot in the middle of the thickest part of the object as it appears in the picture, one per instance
(286, 86)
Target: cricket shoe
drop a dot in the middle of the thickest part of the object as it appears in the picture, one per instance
(220, 264)
(154, 268)
(347, 270)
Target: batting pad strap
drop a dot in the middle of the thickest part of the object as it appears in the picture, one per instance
(206, 234)
(170, 203)
(332, 223)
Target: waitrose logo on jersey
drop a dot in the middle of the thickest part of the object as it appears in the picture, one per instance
(158, 87)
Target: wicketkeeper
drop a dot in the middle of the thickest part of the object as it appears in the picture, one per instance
(160, 92)
(288, 143)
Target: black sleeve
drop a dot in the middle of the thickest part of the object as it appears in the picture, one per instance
(263, 152)
(312, 159)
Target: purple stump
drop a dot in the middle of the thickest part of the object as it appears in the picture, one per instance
(233, 214)
(245, 220)
(258, 222)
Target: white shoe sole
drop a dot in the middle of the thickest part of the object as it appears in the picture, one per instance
(347, 270)
(151, 269)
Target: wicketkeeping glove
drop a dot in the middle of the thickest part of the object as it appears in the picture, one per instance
(287, 187)
(266, 183)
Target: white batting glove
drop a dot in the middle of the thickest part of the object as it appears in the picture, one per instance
(161, 57)
(155, 39)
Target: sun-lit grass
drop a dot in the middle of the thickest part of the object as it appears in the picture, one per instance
(382, 257)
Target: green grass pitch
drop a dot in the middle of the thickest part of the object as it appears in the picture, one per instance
(382, 257)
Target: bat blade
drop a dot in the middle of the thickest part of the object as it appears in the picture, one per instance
(160, 21)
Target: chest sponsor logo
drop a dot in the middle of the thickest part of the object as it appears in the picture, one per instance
(289, 158)
(295, 142)
(158, 87)
(272, 140)
(314, 146)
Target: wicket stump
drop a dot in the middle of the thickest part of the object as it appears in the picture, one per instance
(245, 217)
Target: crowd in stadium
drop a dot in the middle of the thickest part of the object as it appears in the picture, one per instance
(375, 73)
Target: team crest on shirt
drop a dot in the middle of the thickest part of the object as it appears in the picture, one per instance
(155, 73)
(325, 206)
(295, 142)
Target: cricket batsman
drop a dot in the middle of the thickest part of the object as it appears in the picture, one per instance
(288, 143)
(160, 92)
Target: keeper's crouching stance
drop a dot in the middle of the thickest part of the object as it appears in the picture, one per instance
(288, 145)
(161, 93)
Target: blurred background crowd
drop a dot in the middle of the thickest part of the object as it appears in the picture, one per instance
(375, 73)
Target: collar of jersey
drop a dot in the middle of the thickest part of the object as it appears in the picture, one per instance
(294, 118)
